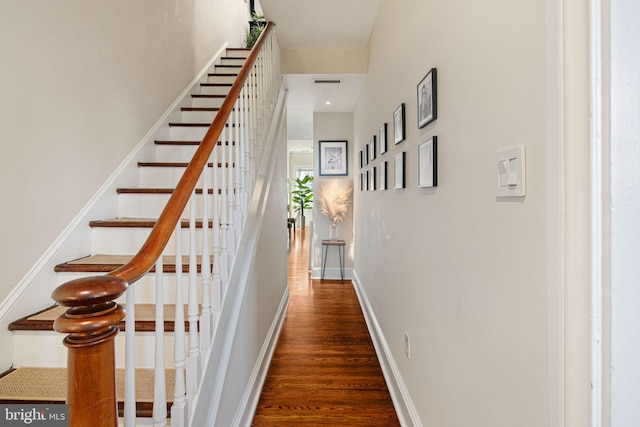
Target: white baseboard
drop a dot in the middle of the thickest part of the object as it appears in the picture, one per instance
(331, 273)
(251, 396)
(402, 401)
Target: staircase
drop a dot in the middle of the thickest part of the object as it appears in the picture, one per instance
(40, 359)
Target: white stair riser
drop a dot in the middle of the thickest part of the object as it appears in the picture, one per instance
(45, 349)
(214, 90)
(150, 205)
(198, 116)
(117, 241)
(216, 78)
(206, 102)
(168, 177)
(186, 133)
(230, 60)
(145, 288)
(184, 153)
(237, 53)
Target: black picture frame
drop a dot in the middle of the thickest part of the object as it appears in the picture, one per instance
(372, 178)
(382, 139)
(365, 154)
(333, 158)
(399, 134)
(428, 163)
(372, 148)
(360, 160)
(382, 176)
(427, 99)
(399, 161)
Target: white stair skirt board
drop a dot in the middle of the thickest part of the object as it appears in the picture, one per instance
(402, 401)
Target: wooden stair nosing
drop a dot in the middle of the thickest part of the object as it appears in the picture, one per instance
(107, 263)
(185, 143)
(139, 223)
(160, 190)
(25, 324)
(199, 95)
(175, 164)
(216, 84)
(222, 74)
(195, 125)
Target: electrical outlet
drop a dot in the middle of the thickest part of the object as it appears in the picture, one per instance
(407, 346)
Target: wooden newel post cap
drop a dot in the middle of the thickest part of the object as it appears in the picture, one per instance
(93, 314)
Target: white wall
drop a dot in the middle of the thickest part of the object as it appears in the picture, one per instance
(625, 199)
(332, 127)
(463, 273)
(80, 84)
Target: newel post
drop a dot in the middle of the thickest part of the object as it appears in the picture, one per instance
(91, 324)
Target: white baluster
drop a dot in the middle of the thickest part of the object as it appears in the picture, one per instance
(224, 225)
(205, 269)
(179, 408)
(231, 237)
(236, 173)
(130, 359)
(159, 386)
(193, 360)
(216, 298)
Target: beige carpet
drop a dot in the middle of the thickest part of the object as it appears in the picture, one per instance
(50, 384)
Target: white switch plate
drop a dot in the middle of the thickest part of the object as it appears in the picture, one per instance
(511, 172)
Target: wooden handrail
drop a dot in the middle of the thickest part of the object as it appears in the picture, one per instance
(93, 314)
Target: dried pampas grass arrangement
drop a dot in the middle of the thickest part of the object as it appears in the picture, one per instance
(333, 199)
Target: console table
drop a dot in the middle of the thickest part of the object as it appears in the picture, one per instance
(340, 244)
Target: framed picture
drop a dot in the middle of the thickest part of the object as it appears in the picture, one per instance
(362, 181)
(382, 176)
(333, 158)
(372, 178)
(372, 148)
(366, 180)
(398, 124)
(360, 160)
(382, 139)
(365, 154)
(428, 163)
(398, 170)
(427, 99)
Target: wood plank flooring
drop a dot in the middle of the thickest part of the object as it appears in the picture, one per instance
(324, 370)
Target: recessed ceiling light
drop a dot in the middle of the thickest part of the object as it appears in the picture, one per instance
(328, 102)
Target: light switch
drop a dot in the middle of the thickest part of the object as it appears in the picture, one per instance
(510, 168)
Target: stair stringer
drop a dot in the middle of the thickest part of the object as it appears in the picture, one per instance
(33, 291)
(230, 373)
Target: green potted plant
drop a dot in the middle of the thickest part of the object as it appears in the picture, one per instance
(302, 196)
(256, 26)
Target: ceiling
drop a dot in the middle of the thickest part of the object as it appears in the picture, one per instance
(325, 24)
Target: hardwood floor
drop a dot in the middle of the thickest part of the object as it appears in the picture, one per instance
(324, 370)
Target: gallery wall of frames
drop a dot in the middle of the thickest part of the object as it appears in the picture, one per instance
(381, 171)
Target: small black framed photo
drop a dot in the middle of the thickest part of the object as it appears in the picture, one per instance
(365, 154)
(372, 178)
(382, 176)
(366, 180)
(372, 148)
(428, 163)
(360, 160)
(333, 158)
(382, 139)
(398, 170)
(398, 125)
(362, 181)
(427, 99)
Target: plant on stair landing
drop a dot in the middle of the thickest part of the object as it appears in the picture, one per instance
(302, 196)
(256, 26)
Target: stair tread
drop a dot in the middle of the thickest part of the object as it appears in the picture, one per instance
(139, 223)
(157, 190)
(200, 109)
(145, 319)
(198, 95)
(182, 143)
(49, 385)
(173, 164)
(101, 263)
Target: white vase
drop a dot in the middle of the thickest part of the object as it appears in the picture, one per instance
(333, 232)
